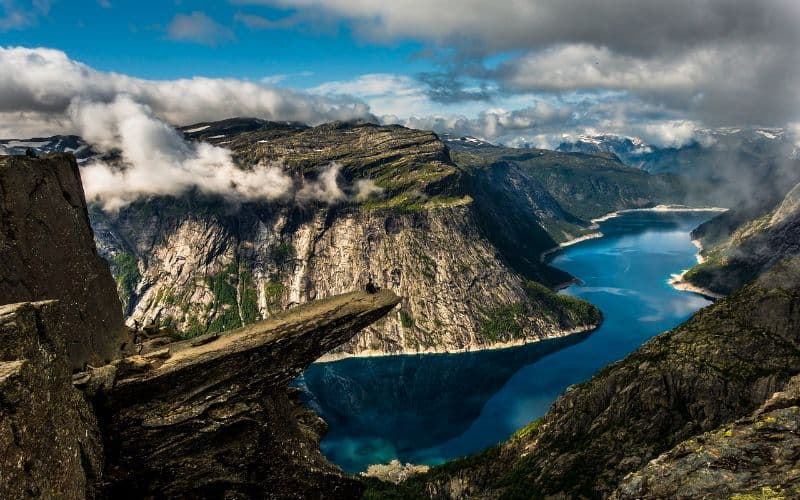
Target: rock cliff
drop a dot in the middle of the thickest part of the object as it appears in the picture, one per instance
(754, 245)
(213, 417)
(48, 252)
(460, 243)
(50, 444)
(207, 417)
(755, 457)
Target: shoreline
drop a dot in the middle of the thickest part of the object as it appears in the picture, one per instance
(612, 215)
(332, 357)
(677, 282)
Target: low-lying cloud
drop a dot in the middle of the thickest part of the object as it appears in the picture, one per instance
(157, 161)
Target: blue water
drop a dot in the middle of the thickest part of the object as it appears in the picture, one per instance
(427, 409)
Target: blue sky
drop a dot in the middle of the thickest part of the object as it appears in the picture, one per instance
(132, 37)
(510, 71)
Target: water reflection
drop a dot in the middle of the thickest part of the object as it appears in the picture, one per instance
(399, 406)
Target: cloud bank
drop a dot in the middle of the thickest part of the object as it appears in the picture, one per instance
(43, 92)
(38, 85)
(719, 62)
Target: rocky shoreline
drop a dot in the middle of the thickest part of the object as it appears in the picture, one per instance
(678, 283)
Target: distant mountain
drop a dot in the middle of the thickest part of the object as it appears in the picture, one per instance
(55, 144)
(747, 169)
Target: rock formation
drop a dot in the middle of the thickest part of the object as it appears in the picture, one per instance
(48, 253)
(50, 444)
(207, 417)
(755, 457)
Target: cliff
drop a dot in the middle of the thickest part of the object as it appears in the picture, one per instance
(48, 252)
(213, 417)
(208, 417)
(460, 243)
(740, 247)
(716, 368)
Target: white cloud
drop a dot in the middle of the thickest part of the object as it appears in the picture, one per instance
(41, 83)
(158, 161)
(197, 27)
(717, 61)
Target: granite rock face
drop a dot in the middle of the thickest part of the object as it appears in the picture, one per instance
(48, 253)
(757, 455)
(50, 444)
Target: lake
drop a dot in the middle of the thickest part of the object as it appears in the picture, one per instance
(427, 409)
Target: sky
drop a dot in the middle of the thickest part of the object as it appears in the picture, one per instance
(509, 71)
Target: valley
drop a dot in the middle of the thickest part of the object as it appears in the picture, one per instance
(429, 409)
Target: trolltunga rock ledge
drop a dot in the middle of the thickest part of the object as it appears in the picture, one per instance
(213, 416)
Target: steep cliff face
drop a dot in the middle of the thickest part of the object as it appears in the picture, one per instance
(754, 245)
(202, 266)
(50, 444)
(717, 367)
(48, 252)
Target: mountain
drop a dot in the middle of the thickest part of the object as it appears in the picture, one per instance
(730, 167)
(700, 382)
(459, 240)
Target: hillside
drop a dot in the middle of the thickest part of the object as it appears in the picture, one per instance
(736, 251)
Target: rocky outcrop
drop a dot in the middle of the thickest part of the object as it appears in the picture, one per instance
(212, 417)
(752, 246)
(717, 367)
(201, 266)
(48, 252)
(50, 444)
(755, 457)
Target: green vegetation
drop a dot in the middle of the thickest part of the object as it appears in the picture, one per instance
(126, 274)
(224, 305)
(529, 431)
(273, 290)
(283, 252)
(503, 323)
(508, 322)
(248, 298)
(405, 319)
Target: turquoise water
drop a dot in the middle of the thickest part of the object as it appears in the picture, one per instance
(431, 408)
